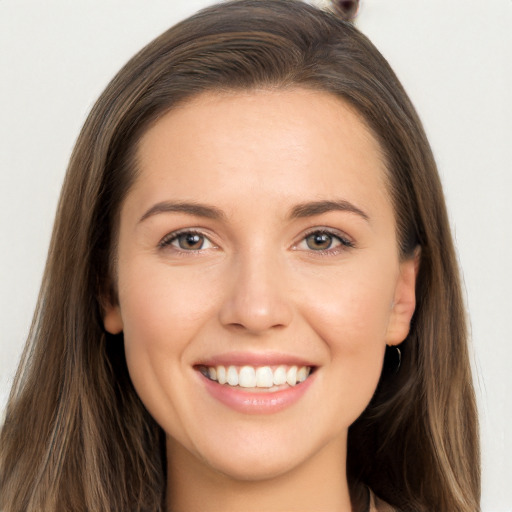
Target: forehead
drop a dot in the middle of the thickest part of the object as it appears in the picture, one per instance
(281, 144)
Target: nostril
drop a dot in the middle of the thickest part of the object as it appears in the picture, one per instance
(255, 326)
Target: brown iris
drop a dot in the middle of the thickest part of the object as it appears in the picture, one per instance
(319, 241)
(190, 241)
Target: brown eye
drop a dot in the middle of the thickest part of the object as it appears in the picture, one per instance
(320, 241)
(187, 241)
(190, 241)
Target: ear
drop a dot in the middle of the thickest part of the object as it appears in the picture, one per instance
(404, 302)
(112, 320)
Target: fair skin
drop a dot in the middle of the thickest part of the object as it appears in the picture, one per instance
(290, 260)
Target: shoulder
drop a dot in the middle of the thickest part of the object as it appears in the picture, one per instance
(378, 505)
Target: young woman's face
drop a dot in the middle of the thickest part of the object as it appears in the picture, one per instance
(258, 245)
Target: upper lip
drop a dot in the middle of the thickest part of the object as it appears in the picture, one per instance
(254, 359)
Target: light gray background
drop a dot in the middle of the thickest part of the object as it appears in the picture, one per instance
(454, 58)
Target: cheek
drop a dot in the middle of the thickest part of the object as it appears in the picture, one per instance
(162, 309)
(160, 304)
(350, 314)
(351, 310)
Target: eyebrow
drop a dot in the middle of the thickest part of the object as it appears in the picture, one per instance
(299, 211)
(318, 207)
(198, 210)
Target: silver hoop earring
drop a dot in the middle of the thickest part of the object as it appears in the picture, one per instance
(399, 360)
(393, 359)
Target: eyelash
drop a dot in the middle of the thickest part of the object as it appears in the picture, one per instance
(171, 237)
(344, 242)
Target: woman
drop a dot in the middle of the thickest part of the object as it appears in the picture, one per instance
(251, 300)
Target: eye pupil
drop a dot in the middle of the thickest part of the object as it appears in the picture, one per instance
(191, 241)
(319, 241)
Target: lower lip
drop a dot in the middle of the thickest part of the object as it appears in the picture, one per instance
(256, 402)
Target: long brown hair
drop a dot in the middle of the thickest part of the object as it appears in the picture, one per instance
(77, 437)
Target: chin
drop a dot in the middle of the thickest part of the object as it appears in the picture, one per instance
(246, 468)
(263, 454)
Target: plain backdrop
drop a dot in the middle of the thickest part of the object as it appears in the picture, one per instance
(454, 59)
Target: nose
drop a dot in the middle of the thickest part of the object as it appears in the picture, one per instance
(257, 299)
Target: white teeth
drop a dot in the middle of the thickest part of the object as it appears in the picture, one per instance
(280, 376)
(221, 375)
(232, 376)
(291, 376)
(302, 374)
(260, 377)
(264, 377)
(247, 377)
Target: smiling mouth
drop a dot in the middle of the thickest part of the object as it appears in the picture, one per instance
(268, 378)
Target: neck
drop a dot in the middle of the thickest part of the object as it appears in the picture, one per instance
(319, 483)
